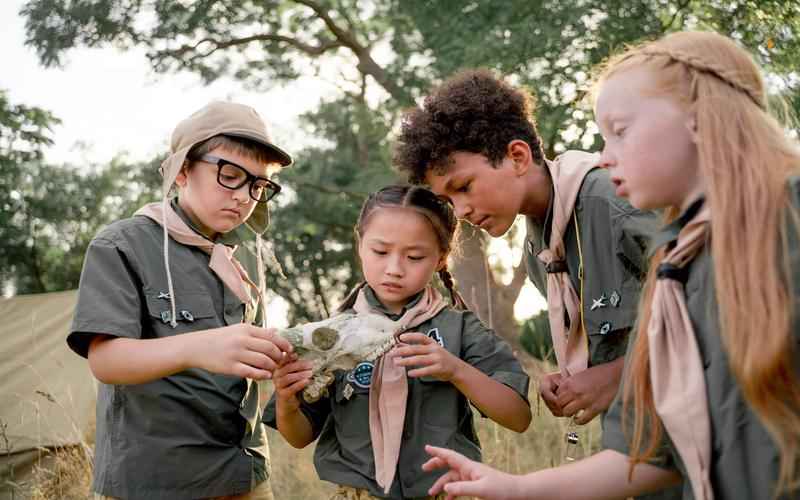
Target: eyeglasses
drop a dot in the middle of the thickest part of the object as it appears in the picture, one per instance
(233, 176)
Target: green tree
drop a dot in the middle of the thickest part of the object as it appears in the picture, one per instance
(535, 337)
(50, 212)
(399, 48)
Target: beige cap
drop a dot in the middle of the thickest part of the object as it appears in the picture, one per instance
(220, 118)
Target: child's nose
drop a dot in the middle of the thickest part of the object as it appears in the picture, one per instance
(242, 194)
(461, 208)
(607, 159)
(394, 267)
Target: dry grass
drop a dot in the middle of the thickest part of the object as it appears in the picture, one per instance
(541, 446)
(66, 473)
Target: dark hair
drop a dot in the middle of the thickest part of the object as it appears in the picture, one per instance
(473, 111)
(239, 145)
(438, 212)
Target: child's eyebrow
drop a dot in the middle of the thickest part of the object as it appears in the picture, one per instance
(379, 241)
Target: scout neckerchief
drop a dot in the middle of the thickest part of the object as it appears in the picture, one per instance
(563, 304)
(388, 391)
(228, 269)
(676, 369)
(222, 261)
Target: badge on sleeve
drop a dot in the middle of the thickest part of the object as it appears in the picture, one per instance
(435, 335)
(598, 303)
(605, 327)
(615, 299)
(361, 375)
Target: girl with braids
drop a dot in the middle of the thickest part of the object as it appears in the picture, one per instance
(711, 390)
(374, 424)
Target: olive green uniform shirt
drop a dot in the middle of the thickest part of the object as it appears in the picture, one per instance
(613, 243)
(437, 413)
(744, 458)
(181, 436)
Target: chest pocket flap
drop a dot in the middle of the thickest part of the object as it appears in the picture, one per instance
(189, 307)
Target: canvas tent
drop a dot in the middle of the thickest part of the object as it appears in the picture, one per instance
(47, 393)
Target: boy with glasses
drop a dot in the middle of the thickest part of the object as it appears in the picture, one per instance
(165, 315)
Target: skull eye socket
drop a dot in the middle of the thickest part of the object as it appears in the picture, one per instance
(324, 338)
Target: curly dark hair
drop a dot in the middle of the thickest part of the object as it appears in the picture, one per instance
(472, 111)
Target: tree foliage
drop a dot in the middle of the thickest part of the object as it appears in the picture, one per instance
(51, 212)
(401, 48)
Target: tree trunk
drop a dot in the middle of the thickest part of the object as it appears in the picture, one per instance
(492, 301)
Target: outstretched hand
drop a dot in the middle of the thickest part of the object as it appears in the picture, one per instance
(467, 477)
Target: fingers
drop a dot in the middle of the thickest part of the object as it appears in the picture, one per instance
(271, 335)
(547, 390)
(438, 486)
(246, 371)
(585, 416)
(416, 338)
(266, 348)
(571, 409)
(451, 458)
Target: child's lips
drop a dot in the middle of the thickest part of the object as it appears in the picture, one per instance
(232, 211)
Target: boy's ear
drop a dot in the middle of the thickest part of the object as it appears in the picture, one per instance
(180, 179)
(519, 152)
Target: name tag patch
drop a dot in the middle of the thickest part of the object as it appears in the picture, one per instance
(361, 375)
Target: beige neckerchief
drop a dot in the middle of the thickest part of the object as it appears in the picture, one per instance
(388, 391)
(563, 304)
(676, 368)
(222, 261)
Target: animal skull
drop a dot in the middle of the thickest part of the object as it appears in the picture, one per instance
(339, 343)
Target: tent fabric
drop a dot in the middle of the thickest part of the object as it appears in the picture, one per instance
(47, 393)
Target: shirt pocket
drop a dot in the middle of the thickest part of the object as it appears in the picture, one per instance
(440, 402)
(194, 311)
(351, 409)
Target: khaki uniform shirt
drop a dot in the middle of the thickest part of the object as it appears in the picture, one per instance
(613, 241)
(437, 413)
(181, 436)
(744, 458)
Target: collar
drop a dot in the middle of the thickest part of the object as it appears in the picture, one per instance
(668, 234)
(375, 303)
(539, 234)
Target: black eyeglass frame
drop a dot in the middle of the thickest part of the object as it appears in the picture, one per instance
(272, 187)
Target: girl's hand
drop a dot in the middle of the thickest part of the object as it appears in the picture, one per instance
(430, 358)
(467, 477)
(290, 378)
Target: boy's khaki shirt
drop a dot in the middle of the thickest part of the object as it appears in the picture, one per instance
(613, 242)
(182, 436)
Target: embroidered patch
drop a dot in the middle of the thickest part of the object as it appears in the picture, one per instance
(361, 375)
(348, 391)
(435, 335)
(598, 303)
(615, 299)
(605, 327)
(163, 295)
